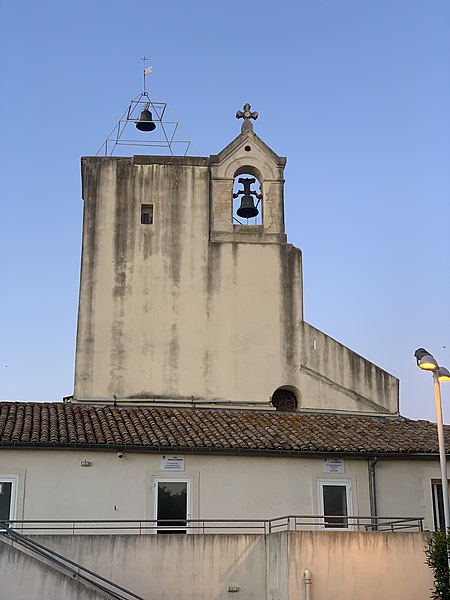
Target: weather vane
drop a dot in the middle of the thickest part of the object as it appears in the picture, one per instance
(147, 71)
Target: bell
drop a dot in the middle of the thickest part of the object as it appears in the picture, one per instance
(247, 209)
(145, 121)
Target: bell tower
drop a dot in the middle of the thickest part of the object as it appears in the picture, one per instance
(188, 287)
(190, 293)
(248, 155)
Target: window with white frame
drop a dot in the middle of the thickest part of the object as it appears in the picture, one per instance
(172, 504)
(8, 497)
(438, 505)
(335, 502)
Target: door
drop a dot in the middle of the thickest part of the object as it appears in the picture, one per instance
(335, 502)
(8, 487)
(172, 504)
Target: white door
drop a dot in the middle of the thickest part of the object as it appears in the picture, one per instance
(335, 502)
(172, 504)
(8, 492)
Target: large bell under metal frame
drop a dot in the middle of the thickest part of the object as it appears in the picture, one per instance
(145, 121)
(137, 125)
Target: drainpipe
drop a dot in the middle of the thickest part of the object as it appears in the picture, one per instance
(373, 492)
(308, 583)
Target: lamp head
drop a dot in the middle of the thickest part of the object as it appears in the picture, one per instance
(425, 360)
(443, 374)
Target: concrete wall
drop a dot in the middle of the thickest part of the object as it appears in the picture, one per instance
(277, 567)
(344, 566)
(173, 567)
(25, 578)
(53, 485)
(163, 311)
(355, 566)
(194, 307)
(333, 376)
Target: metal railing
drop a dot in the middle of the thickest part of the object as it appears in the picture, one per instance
(69, 567)
(352, 523)
(213, 526)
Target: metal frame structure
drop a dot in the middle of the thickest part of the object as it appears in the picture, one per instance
(169, 137)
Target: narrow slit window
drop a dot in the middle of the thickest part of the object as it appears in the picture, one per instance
(147, 214)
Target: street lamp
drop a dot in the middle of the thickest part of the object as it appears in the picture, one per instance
(427, 362)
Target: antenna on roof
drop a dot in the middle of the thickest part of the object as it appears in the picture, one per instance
(147, 115)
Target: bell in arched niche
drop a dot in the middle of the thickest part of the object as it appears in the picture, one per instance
(246, 201)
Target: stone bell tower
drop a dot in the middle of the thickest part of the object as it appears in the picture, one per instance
(184, 296)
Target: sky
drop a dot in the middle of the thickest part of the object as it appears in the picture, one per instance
(356, 95)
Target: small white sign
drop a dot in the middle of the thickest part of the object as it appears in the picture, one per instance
(333, 465)
(171, 462)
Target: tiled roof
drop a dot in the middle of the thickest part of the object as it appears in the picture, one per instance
(212, 430)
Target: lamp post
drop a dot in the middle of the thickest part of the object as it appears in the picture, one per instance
(427, 362)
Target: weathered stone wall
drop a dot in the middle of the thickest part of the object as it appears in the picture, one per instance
(343, 565)
(167, 313)
(333, 376)
(23, 577)
(195, 308)
(356, 565)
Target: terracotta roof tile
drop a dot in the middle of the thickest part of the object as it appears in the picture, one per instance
(220, 430)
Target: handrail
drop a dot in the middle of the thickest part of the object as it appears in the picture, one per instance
(201, 526)
(77, 570)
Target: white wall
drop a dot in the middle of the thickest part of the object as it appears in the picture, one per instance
(53, 485)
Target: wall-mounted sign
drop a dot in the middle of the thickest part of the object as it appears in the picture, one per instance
(333, 465)
(172, 462)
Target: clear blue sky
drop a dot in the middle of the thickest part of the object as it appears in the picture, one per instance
(355, 93)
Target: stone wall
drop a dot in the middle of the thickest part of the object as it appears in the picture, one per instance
(23, 577)
(343, 565)
(193, 308)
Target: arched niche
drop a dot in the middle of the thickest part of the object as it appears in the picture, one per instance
(262, 169)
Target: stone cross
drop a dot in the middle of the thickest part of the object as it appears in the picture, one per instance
(246, 114)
